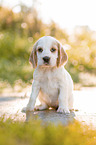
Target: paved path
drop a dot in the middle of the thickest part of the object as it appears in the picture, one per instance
(84, 105)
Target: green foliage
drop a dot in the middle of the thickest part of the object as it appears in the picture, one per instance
(14, 58)
(34, 133)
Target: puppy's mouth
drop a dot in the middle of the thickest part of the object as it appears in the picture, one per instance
(46, 63)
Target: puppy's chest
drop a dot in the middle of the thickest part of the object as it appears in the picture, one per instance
(49, 85)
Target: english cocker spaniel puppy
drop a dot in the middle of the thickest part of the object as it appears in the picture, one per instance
(52, 84)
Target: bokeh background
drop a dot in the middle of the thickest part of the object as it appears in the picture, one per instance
(23, 22)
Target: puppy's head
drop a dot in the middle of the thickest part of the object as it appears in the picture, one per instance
(48, 52)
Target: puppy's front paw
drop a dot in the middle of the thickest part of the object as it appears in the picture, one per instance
(23, 109)
(63, 110)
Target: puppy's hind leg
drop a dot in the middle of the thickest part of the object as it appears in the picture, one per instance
(42, 106)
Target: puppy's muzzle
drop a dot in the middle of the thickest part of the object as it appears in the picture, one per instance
(46, 59)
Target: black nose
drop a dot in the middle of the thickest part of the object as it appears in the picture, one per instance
(46, 59)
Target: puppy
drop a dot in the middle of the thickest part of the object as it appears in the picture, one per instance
(52, 84)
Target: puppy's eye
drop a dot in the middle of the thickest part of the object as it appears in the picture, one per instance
(40, 50)
(53, 50)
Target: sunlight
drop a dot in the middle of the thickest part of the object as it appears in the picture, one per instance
(66, 13)
(16, 9)
(84, 102)
(69, 14)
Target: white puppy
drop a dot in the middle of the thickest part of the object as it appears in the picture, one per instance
(52, 84)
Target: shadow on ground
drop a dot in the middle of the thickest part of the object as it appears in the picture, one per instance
(50, 116)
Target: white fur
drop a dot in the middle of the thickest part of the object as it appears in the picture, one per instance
(51, 84)
(46, 43)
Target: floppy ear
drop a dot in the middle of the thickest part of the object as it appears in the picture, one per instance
(33, 56)
(62, 55)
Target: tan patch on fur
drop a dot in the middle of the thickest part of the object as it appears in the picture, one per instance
(62, 56)
(33, 56)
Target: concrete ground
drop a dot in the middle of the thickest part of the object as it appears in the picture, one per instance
(11, 105)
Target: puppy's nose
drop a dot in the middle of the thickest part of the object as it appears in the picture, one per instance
(46, 59)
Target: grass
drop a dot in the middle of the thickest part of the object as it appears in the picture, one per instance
(33, 133)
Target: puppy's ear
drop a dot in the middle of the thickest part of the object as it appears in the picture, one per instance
(62, 55)
(33, 56)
